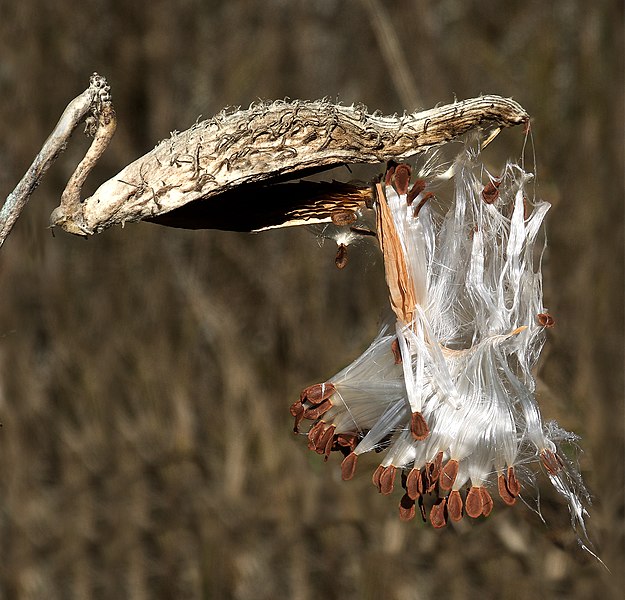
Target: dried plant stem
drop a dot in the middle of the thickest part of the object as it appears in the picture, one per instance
(270, 141)
(52, 148)
(392, 53)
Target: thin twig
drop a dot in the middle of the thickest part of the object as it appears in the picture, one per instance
(56, 143)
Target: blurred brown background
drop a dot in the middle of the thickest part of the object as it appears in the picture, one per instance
(146, 374)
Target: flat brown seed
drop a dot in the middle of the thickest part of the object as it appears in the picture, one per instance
(314, 433)
(514, 487)
(297, 411)
(315, 394)
(296, 408)
(325, 442)
(347, 440)
(413, 483)
(448, 475)
(341, 257)
(376, 476)
(348, 466)
(473, 504)
(396, 351)
(342, 218)
(421, 204)
(551, 461)
(320, 409)
(490, 193)
(504, 493)
(435, 468)
(454, 505)
(407, 510)
(387, 480)
(415, 190)
(402, 178)
(545, 320)
(487, 501)
(418, 427)
(437, 514)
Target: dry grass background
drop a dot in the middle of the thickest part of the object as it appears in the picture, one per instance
(146, 374)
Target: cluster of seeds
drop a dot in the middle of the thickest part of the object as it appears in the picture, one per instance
(446, 393)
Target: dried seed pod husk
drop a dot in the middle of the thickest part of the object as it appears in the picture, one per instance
(229, 172)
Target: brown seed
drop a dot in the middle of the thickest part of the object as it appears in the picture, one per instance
(487, 502)
(551, 461)
(435, 468)
(347, 440)
(341, 257)
(545, 320)
(490, 193)
(418, 427)
(387, 480)
(402, 178)
(297, 410)
(348, 466)
(448, 475)
(473, 504)
(454, 505)
(325, 442)
(376, 477)
(320, 409)
(421, 204)
(437, 514)
(512, 483)
(314, 433)
(413, 483)
(423, 483)
(504, 493)
(341, 218)
(315, 394)
(407, 509)
(396, 351)
(415, 190)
